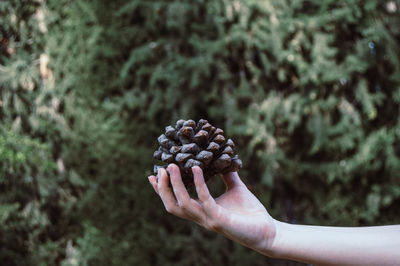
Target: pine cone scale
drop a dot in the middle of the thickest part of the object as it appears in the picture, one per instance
(189, 144)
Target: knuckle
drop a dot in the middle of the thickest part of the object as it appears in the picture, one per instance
(208, 201)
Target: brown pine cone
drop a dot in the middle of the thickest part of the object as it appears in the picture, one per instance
(189, 144)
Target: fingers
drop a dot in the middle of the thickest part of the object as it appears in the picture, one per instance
(153, 182)
(231, 180)
(177, 200)
(201, 187)
(166, 193)
(187, 205)
(179, 188)
(212, 217)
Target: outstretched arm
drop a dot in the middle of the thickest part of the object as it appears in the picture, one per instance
(321, 245)
(238, 215)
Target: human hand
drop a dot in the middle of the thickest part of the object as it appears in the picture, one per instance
(237, 214)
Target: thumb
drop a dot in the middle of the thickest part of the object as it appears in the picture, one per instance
(232, 180)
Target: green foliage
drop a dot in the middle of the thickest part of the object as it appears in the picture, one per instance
(36, 195)
(309, 90)
(29, 201)
(334, 127)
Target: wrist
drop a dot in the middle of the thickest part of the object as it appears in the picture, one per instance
(275, 248)
(271, 246)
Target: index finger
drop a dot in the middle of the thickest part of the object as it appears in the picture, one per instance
(165, 191)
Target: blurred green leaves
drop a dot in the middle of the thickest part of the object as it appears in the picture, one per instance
(309, 90)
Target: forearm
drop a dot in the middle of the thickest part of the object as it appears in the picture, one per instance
(321, 245)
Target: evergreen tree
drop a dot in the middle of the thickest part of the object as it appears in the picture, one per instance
(36, 193)
(309, 90)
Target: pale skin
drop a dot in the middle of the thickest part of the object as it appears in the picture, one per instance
(240, 216)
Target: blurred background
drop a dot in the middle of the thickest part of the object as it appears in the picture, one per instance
(309, 90)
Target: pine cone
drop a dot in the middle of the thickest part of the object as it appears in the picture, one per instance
(188, 145)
